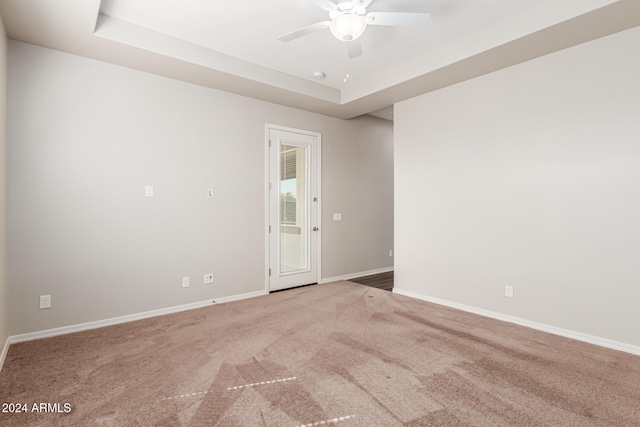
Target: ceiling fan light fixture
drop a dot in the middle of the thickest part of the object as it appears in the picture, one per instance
(348, 26)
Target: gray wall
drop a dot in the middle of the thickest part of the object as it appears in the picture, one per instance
(86, 137)
(4, 305)
(358, 183)
(528, 177)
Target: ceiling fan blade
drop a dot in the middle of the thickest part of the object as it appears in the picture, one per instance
(304, 31)
(396, 18)
(354, 48)
(325, 5)
(365, 3)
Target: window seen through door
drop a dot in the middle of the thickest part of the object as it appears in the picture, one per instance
(293, 209)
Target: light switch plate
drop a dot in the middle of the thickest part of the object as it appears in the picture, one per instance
(45, 301)
(337, 216)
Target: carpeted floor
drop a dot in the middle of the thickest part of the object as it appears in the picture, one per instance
(339, 354)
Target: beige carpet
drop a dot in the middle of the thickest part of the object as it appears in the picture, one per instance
(339, 354)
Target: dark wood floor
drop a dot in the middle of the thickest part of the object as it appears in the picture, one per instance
(380, 281)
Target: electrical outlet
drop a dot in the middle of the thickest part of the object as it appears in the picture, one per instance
(208, 278)
(508, 291)
(45, 301)
(148, 191)
(185, 282)
(390, 252)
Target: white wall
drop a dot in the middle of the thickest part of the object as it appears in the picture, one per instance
(4, 305)
(86, 137)
(529, 177)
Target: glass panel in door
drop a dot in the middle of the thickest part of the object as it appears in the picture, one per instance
(294, 209)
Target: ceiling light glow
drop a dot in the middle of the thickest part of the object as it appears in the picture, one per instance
(348, 27)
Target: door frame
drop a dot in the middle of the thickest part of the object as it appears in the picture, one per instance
(267, 129)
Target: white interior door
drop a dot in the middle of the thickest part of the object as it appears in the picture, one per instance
(294, 208)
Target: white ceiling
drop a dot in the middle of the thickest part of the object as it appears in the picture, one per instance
(233, 46)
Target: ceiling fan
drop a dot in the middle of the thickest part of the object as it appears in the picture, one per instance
(349, 19)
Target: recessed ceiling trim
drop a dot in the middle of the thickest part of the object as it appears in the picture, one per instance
(616, 17)
(119, 31)
(540, 17)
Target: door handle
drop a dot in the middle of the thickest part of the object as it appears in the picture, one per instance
(315, 229)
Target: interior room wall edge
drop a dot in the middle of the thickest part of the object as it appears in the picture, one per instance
(591, 339)
(48, 333)
(4, 279)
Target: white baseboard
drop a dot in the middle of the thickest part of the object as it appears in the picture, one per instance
(240, 297)
(128, 318)
(354, 275)
(591, 339)
(3, 355)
